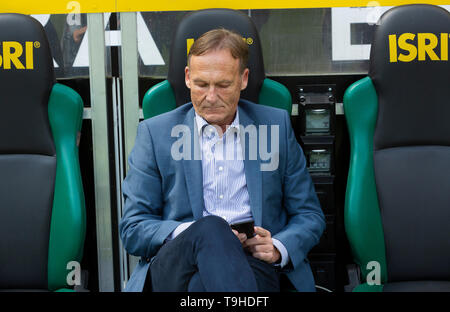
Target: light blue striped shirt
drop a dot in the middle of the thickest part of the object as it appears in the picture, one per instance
(225, 191)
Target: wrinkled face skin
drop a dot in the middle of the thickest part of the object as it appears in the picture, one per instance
(215, 83)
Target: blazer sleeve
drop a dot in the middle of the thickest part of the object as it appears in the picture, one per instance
(141, 228)
(306, 221)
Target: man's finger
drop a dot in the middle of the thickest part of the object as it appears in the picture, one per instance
(255, 240)
(261, 231)
(241, 236)
(264, 256)
(258, 240)
(260, 248)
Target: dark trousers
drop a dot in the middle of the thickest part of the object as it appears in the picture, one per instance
(207, 256)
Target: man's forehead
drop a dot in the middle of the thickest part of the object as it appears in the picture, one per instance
(217, 55)
(214, 67)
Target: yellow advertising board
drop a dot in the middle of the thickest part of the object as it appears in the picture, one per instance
(187, 5)
(97, 6)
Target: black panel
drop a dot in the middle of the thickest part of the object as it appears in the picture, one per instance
(327, 243)
(324, 186)
(317, 109)
(413, 96)
(413, 186)
(26, 192)
(24, 290)
(361, 33)
(319, 152)
(420, 286)
(324, 271)
(24, 93)
(197, 23)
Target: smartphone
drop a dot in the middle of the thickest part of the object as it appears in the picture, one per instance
(246, 227)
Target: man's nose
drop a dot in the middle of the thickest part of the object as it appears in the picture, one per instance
(211, 95)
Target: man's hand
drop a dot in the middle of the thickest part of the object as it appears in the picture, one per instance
(241, 236)
(77, 33)
(261, 246)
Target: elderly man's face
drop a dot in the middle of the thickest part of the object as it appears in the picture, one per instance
(216, 83)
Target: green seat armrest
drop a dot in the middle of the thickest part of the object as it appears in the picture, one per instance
(158, 99)
(68, 220)
(362, 216)
(276, 95)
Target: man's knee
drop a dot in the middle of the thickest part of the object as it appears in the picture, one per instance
(212, 222)
(211, 227)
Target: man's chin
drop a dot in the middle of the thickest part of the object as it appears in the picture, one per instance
(213, 119)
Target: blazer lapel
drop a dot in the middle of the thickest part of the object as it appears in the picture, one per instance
(193, 169)
(253, 175)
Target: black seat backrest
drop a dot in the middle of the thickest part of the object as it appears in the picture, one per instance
(197, 23)
(27, 152)
(411, 73)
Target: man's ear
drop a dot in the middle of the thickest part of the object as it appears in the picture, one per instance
(187, 81)
(245, 79)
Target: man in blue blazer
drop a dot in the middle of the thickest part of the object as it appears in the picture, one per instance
(182, 191)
